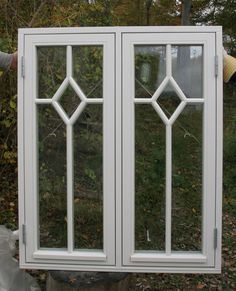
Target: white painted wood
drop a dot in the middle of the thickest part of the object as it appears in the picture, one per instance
(118, 153)
(170, 258)
(159, 111)
(142, 100)
(168, 61)
(178, 89)
(122, 29)
(109, 148)
(177, 112)
(77, 89)
(194, 100)
(160, 89)
(219, 149)
(77, 112)
(207, 41)
(60, 90)
(69, 65)
(172, 268)
(21, 149)
(61, 112)
(209, 152)
(128, 144)
(73, 256)
(94, 101)
(43, 101)
(30, 126)
(70, 188)
(118, 166)
(168, 188)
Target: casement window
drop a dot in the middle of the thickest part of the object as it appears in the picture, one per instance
(120, 148)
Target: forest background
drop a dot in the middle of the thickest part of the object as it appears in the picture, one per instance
(16, 14)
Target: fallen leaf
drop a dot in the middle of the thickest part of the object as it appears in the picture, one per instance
(200, 286)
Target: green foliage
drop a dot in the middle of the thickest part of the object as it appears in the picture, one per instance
(230, 145)
(218, 12)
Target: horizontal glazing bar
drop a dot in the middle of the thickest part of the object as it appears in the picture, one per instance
(94, 100)
(142, 100)
(43, 101)
(194, 100)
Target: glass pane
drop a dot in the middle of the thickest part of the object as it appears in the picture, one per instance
(52, 178)
(69, 101)
(187, 180)
(88, 69)
(51, 70)
(149, 179)
(168, 100)
(187, 67)
(150, 69)
(88, 180)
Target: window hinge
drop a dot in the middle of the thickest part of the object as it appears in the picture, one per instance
(22, 67)
(216, 66)
(24, 233)
(215, 237)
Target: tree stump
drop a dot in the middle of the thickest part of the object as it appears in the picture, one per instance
(87, 281)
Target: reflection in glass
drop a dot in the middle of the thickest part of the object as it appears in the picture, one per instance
(168, 100)
(88, 69)
(187, 180)
(150, 69)
(187, 67)
(149, 179)
(88, 179)
(69, 101)
(51, 69)
(52, 178)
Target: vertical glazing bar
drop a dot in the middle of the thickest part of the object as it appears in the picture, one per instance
(168, 61)
(168, 162)
(168, 186)
(69, 149)
(70, 176)
(69, 61)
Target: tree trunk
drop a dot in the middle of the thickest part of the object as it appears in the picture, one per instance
(148, 7)
(186, 9)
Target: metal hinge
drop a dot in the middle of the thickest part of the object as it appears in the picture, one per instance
(22, 67)
(215, 237)
(216, 66)
(24, 233)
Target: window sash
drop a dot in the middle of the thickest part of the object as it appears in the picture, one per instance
(119, 252)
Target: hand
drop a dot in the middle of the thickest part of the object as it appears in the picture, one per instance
(14, 61)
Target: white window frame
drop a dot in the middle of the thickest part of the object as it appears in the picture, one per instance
(118, 151)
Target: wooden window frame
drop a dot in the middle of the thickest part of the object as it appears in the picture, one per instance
(119, 254)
